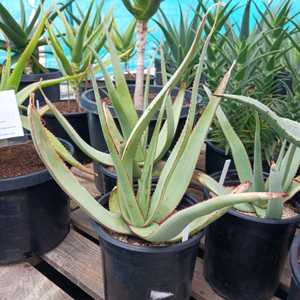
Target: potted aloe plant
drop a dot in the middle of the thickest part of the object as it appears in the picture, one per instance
(294, 292)
(28, 194)
(141, 226)
(259, 51)
(246, 249)
(19, 35)
(76, 40)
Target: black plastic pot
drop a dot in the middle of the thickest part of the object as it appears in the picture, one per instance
(79, 122)
(294, 293)
(136, 272)
(245, 255)
(215, 159)
(52, 92)
(96, 135)
(34, 215)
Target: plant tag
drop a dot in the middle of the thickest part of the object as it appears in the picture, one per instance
(225, 171)
(10, 120)
(156, 295)
(186, 233)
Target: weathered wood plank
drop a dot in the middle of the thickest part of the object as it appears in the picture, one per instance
(80, 261)
(24, 282)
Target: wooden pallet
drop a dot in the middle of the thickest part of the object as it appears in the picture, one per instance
(78, 260)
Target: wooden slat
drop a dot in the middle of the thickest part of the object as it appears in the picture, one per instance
(24, 282)
(80, 261)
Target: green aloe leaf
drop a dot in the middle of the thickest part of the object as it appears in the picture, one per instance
(67, 180)
(287, 128)
(177, 222)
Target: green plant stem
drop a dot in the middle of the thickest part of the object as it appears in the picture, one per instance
(141, 41)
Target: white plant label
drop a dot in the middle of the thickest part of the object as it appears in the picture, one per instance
(10, 120)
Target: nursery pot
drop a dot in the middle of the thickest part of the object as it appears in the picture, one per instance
(245, 255)
(216, 157)
(294, 293)
(133, 272)
(96, 135)
(34, 215)
(78, 120)
(52, 92)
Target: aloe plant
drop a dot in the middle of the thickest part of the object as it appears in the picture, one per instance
(178, 36)
(19, 34)
(282, 174)
(146, 213)
(143, 11)
(124, 41)
(259, 51)
(77, 39)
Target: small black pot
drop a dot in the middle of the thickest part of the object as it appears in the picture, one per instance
(78, 120)
(96, 135)
(110, 180)
(245, 255)
(294, 293)
(134, 272)
(52, 92)
(34, 215)
(215, 159)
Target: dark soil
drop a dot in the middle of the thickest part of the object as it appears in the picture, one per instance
(19, 160)
(66, 107)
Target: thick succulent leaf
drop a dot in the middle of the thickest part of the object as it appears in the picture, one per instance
(174, 225)
(238, 150)
(94, 154)
(11, 28)
(210, 183)
(294, 188)
(127, 200)
(17, 73)
(67, 181)
(287, 128)
(23, 94)
(290, 166)
(275, 207)
(258, 182)
(154, 106)
(77, 50)
(176, 176)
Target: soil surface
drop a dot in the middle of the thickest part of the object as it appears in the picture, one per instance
(19, 160)
(288, 210)
(66, 107)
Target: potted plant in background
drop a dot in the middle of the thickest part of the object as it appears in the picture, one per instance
(76, 40)
(246, 249)
(28, 194)
(259, 53)
(125, 43)
(19, 35)
(294, 292)
(137, 223)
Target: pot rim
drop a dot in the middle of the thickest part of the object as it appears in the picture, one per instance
(217, 149)
(239, 214)
(89, 105)
(31, 179)
(293, 259)
(146, 249)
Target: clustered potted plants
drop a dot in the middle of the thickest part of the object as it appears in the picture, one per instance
(146, 141)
